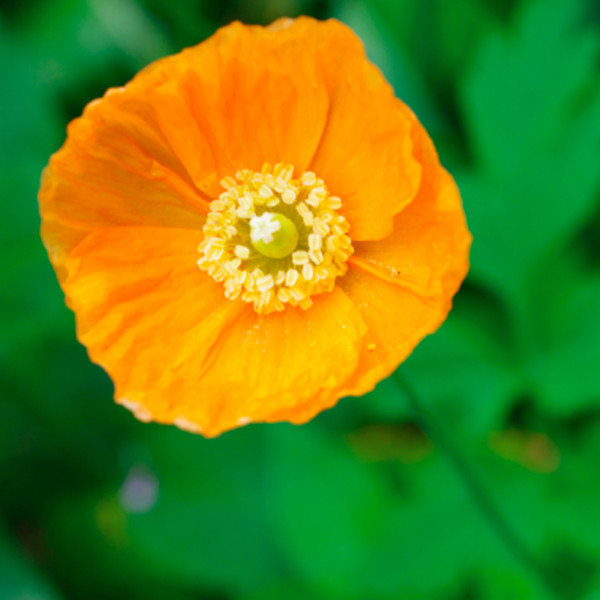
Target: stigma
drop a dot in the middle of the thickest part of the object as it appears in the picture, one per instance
(273, 235)
(274, 240)
(263, 228)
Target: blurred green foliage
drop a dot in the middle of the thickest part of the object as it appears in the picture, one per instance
(359, 504)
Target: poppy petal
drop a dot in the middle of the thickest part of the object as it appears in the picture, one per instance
(428, 250)
(178, 351)
(116, 169)
(316, 103)
(403, 285)
(259, 97)
(397, 320)
(366, 155)
(266, 368)
(140, 302)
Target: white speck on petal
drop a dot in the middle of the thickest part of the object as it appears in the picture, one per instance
(187, 425)
(141, 413)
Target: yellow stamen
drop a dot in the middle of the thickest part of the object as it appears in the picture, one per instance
(274, 240)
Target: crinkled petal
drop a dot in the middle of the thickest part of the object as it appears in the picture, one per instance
(366, 155)
(141, 304)
(265, 368)
(397, 319)
(429, 247)
(244, 97)
(179, 352)
(300, 92)
(403, 285)
(115, 169)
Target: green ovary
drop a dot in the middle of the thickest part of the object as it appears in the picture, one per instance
(284, 240)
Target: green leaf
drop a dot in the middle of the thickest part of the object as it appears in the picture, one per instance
(19, 578)
(566, 367)
(207, 526)
(349, 534)
(466, 372)
(461, 26)
(385, 29)
(532, 106)
(329, 510)
(103, 31)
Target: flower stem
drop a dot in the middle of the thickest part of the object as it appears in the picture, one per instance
(475, 486)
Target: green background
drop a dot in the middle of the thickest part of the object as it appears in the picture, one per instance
(361, 503)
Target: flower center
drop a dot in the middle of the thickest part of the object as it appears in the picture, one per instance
(275, 240)
(273, 235)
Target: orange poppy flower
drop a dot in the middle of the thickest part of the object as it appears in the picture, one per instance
(253, 228)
